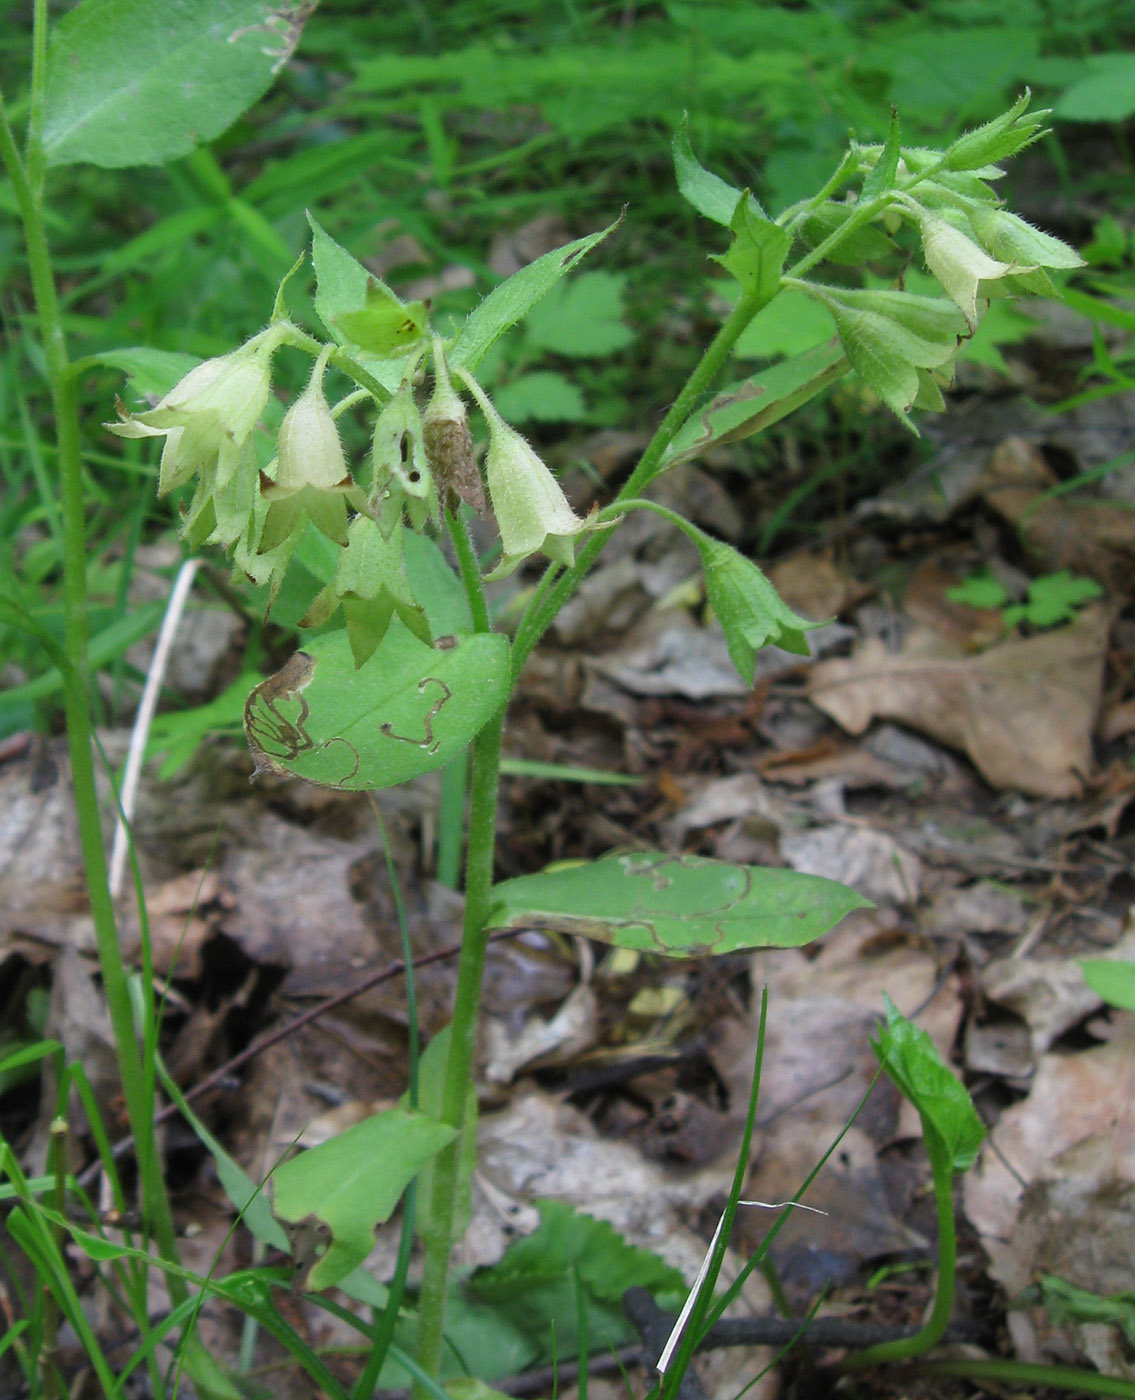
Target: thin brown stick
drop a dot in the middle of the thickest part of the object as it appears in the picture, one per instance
(395, 968)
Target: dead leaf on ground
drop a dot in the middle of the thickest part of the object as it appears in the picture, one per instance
(1054, 1189)
(1092, 537)
(1023, 711)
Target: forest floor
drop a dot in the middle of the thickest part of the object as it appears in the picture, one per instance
(974, 780)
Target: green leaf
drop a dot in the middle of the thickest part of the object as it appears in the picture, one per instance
(911, 1059)
(883, 173)
(979, 591)
(751, 612)
(581, 318)
(708, 193)
(130, 82)
(341, 286)
(1106, 93)
(1054, 598)
(515, 297)
(747, 408)
(544, 396)
(1112, 980)
(409, 709)
(386, 326)
(534, 1285)
(353, 1182)
(790, 324)
(176, 735)
(756, 255)
(152, 373)
(681, 906)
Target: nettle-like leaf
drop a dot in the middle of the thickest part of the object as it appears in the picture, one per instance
(336, 1193)
(536, 1285)
(911, 1059)
(681, 906)
(408, 709)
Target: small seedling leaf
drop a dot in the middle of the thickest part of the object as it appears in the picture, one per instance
(352, 1183)
(408, 709)
(681, 906)
(911, 1060)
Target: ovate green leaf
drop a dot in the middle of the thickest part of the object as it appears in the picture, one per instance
(911, 1059)
(130, 82)
(408, 709)
(681, 906)
(353, 1182)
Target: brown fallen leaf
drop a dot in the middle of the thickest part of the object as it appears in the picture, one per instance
(1023, 711)
(1093, 537)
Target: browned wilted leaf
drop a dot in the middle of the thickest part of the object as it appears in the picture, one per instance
(1023, 711)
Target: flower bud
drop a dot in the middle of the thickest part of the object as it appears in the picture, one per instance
(311, 478)
(533, 515)
(310, 452)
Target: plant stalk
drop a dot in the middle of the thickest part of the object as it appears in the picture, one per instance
(441, 1208)
(936, 1323)
(76, 679)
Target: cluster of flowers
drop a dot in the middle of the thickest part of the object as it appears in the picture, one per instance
(418, 459)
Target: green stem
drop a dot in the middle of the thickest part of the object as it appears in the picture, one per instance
(438, 1227)
(76, 683)
(1031, 1375)
(939, 1318)
(440, 1216)
(539, 618)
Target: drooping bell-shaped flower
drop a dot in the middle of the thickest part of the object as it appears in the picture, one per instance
(208, 416)
(533, 514)
(311, 478)
(958, 263)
